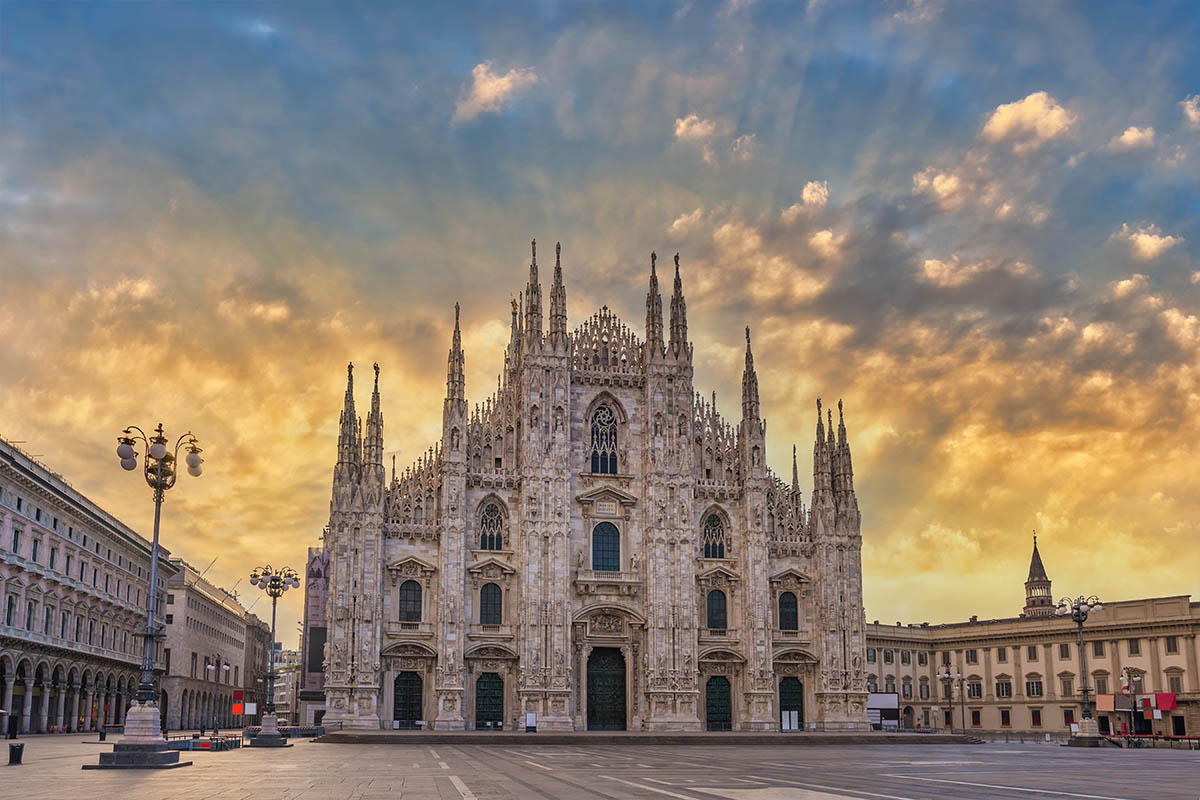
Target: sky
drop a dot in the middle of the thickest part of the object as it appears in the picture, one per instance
(978, 224)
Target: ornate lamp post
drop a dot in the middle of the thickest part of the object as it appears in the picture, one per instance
(274, 582)
(1078, 610)
(143, 744)
(962, 700)
(217, 668)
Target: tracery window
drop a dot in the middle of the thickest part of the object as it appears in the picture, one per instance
(410, 601)
(606, 548)
(491, 528)
(716, 610)
(490, 607)
(789, 618)
(604, 441)
(713, 537)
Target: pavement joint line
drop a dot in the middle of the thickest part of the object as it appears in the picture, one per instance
(443, 765)
(535, 764)
(1011, 788)
(466, 793)
(649, 788)
(834, 789)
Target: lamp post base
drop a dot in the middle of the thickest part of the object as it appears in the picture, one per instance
(268, 735)
(143, 745)
(1088, 736)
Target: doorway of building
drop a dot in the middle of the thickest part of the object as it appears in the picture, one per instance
(489, 701)
(406, 700)
(718, 704)
(906, 720)
(606, 690)
(791, 698)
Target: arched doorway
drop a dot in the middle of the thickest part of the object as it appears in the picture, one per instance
(907, 721)
(791, 698)
(606, 690)
(406, 705)
(718, 704)
(489, 701)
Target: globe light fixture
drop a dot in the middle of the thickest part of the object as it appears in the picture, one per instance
(1078, 610)
(274, 582)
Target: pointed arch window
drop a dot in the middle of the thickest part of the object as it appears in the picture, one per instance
(490, 605)
(716, 616)
(604, 441)
(712, 536)
(606, 548)
(789, 617)
(491, 528)
(410, 601)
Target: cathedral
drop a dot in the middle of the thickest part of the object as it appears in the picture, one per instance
(594, 545)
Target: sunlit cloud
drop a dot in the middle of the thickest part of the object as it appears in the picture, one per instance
(1191, 111)
(1132, 139)
(489, 91)
(1146, 242)
(1028, 123)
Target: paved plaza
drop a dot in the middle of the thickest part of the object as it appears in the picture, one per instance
(490, 772)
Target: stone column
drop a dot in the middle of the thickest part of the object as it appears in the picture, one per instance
(90, 699)
(28, 706)
(62, 706)
(1189, 643)
(1155, 665)
(75, 707)
(8, 695)
(43, 717)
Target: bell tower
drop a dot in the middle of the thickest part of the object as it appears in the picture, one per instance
(1039, 602)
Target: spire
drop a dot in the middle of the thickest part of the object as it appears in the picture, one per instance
(822, 478)
(373, 443)
(455, 382)
(795, 473)
(533, 305)
(1039, 602)
(348, 435)
(654, 321)
(750, 407)
(679, 344)
(558, 304)
(845, 468)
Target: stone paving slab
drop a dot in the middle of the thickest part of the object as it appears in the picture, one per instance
(637, 769)
(520, 738)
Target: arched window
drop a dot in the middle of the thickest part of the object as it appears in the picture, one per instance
(606, 548)
(490, 608)
(491, 528)
(604, 441)
(789, 619)
(410, 601)
(716, 610)
(713, 537)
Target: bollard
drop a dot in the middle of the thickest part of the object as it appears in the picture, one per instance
(103, 734)
(15, 752)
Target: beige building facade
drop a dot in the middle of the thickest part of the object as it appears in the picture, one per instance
(1023, 674)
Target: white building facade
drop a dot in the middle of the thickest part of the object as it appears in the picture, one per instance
(594, 544)
(73, 584)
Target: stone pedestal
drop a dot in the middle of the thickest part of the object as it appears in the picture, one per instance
(449, 716)
(143, 745)
(269, 736)
(1088, 736)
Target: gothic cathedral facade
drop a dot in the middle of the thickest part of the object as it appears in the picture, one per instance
(593, 544)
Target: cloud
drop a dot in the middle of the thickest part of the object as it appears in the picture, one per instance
(1191, 111)
(951, 274)
(743, 147)
(1028, 123)
(684, 223)
(814, 196)
(1147, 241)
(694, 129)
(826, 243)
(1132, 139)
(489, 91)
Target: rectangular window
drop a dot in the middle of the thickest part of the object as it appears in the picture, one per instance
(10, 610)
(1031, 652)
(1068, 687)
(78, 628)
(37, 514)
(974, 689)
(972, 656)
(16, 541)
(1035, 717)
(975, 717)
(1068, 717)
(946, 690)
(53, 557)
(64, 620)
(906, 690)
(1033, 688)
(91, 631)
(107, 579)
(1175, 684)
(905, 657)
(20, 504)
(82, 570)
(193, 665)
(55, 526)
(1003, 688)
(1002, 654)
(167, 660)
(36, 551)
(170, 599)
(948, 715)
(1064, 650)
(1172, 644)
(67, 571)
(47, 620)
(170, 619)
(1135, 647)
(888, 657)
(1098, 649)
(1101, 685)
(1005, 718)
(945, 658)
(870, 655)
(924, 691)
(922, 658)
(30, 608)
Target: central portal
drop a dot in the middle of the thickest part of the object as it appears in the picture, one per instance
(606, 690)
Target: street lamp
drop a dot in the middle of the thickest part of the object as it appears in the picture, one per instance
(143, 744)
(1131, 677)
(274, 582)
(962, 701)
(1078, 610)
(216, 671)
